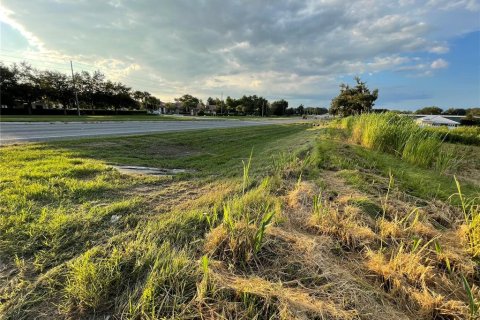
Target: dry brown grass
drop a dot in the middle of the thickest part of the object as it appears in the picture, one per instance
(343, 224)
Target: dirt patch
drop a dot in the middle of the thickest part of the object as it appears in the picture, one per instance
(150, 171)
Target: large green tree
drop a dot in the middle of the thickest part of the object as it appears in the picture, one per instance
(188, 101)
(279, 107)
(353, 100)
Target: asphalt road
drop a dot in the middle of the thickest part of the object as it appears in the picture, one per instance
(14, 132)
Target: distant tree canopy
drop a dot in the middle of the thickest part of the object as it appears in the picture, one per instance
(189, 102)
(22, 85)
(473, 112)
(429, 110)
(455, 112)
(353, 100)
(279, 108)
(301, 109)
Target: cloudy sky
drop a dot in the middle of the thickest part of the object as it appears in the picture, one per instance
(418, 53)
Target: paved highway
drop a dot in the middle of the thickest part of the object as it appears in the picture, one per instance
(14, 132)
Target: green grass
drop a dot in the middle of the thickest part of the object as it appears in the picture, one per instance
(210, 153)
(401, 136)
(58, 201)
(355, 163)
(79, 240)
(463, 135)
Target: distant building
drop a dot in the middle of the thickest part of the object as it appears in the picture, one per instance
(39, 105)
(437, 121)
(211, 109)
(161, 109)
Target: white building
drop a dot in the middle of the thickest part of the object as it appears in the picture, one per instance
(437, 121)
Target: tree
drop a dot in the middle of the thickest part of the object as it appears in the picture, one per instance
(151, 103)
(57, 88)
(353, 100)
(210, 101)
(429, 110)
(189, 102)
(232, 105)
(279, 107)
(300, 109)
(28, 86)
(8, 84)
(454, 111)
(139, 96)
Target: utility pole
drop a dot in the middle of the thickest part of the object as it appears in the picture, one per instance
(263, 107)
(75, 89)
(221, 106)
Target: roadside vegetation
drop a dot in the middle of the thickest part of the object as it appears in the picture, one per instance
(462, 135)
(353, 219)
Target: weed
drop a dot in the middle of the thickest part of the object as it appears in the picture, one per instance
(245, 218)
(246, 170)
(203, 286)
(471, 215)
(439, 251)
(474, 306)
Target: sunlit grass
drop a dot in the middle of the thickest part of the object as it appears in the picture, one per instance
(401, 136)
(307, 225)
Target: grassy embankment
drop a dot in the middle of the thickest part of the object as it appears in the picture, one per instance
(312, 227)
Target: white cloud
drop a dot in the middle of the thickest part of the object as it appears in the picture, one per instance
(285, 48)
(439, 49)
(439, 64)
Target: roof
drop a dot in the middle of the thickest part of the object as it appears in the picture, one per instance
(436, 119)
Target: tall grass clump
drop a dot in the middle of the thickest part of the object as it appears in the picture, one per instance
(398, 135)
(241, 231)
(471, 215)
(146, 280)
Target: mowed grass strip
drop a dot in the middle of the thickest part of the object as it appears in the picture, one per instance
(217, 152)
(49, 191)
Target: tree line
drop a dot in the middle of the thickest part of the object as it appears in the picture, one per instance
(259, 106)
(22, 85)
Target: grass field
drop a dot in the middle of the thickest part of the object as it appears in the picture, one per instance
(272, 222)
